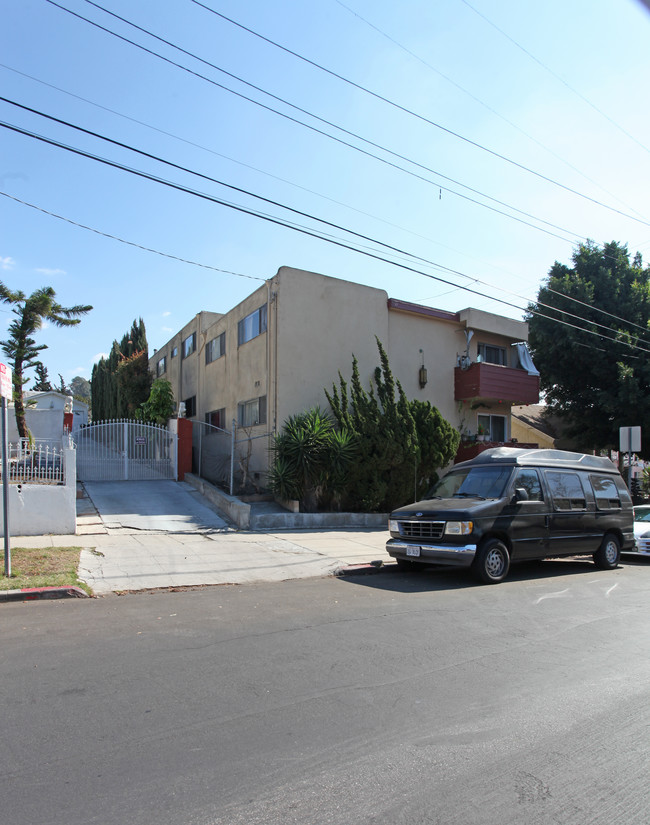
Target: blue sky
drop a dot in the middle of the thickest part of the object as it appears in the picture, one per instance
(559, 91)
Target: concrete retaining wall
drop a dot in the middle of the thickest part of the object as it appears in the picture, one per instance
(244, 516)
(43, 509)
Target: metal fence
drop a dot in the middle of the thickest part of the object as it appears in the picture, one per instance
(36, 462)
(227, 458)
(124, 449)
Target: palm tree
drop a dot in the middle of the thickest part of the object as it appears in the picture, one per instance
(20, 347)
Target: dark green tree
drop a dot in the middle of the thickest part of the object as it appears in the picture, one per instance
(20, 347)
(63, 388)
(590, 351)
(120, 384)
(400, 442)
(42, 383)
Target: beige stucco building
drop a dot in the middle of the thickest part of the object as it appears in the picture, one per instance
(273, 355)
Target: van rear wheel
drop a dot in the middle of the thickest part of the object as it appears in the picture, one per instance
(608, 554)
(492, 562)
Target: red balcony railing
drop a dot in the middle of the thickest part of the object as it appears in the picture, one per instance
(493, 382)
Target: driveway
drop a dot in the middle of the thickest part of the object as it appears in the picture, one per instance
(160, 506)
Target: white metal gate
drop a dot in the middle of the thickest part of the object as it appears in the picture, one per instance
(125, 450)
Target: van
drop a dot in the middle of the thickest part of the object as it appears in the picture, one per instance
(508, 505)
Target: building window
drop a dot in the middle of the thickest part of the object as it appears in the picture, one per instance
(492, 354)
(190, 407)
(252, 412)
(251, 326)
(189, 345)
(174, 352)
(216, 418)
(494, 426)
(161, 366)
(215, 348)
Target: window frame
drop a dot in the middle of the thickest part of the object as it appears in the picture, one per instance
(482, 352)
(210, 358)
(242, 406)
(258, 320)
(162, 371)
(184, 353)
(221, 416)
(502, 418)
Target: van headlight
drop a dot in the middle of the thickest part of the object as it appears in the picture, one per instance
(459, 528)
(393, 525)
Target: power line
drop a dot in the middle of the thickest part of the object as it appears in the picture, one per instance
(478, 100)
(575, 235)
(405, 110)
(310, 232)
(129, 243)
(391, 249)
(555, 75)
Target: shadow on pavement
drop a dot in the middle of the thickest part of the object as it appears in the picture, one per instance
(434, 579)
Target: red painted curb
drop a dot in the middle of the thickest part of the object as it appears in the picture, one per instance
(37, 593)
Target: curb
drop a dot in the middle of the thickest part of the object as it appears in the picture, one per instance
(367, 569)
(37, 593)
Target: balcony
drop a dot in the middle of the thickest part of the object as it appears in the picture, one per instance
(492, 382)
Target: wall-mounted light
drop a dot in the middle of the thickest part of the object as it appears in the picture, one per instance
(422, 373)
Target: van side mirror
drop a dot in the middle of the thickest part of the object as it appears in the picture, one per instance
(521, 494)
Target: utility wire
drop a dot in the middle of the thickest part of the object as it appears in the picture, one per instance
(555, 75)
(129, 243)
(481, 103)
(311, 233)
(407, 111)
(575, 235)
(391, 249)
(228, 158)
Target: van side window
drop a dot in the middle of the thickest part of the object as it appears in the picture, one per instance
(529, 480)
(606, 493)
(566, 490)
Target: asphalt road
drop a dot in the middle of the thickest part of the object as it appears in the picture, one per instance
(392, 699)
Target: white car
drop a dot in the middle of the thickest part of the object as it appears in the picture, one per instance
(642, 530)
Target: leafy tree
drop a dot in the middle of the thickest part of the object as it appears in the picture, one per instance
(42, 383)
(20, 347)
(593, 370)
(80, 388)
(400, 442)
(159, 407)
(311, 459)
(120, 384)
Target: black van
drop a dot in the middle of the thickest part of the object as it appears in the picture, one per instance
(512, 504)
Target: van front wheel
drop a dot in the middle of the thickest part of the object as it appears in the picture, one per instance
(492, 562)
(608, 554)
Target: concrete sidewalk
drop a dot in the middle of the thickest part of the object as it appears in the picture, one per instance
(117, 559)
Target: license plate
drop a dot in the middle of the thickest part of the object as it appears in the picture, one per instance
(412, 550)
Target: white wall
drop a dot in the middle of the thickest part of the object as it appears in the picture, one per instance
(40, 423)
(43, 509)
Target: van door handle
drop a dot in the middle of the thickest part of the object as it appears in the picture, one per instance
(547, 521)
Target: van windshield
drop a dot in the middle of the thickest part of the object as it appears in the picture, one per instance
(474, 482)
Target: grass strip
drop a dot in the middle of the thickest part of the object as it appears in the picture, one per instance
(42, 567)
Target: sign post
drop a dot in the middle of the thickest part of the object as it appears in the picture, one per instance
(6, 390)
(629, 442)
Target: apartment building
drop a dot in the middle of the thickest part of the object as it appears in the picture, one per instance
(274, 354)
